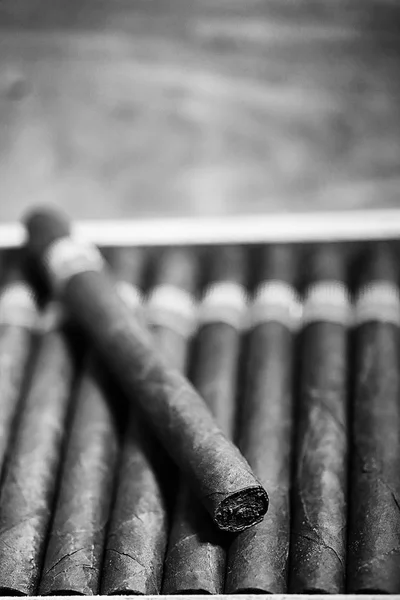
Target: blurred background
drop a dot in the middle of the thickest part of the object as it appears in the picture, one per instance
(141, 108)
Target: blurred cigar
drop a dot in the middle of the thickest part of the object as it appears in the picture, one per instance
(195, 561)
(18, 321)
(214, 467)
(318, 549)
(374, 519)
(137, 537)
(258, 557)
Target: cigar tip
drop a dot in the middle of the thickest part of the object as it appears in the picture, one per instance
(242, 509)
(44, 225)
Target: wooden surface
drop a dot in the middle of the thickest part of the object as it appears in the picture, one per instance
(192, 107)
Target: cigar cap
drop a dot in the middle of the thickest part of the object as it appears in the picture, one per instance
(278, 262)
(44, 226)
(126, 263)
(227, 263)
(326, 263)
(177, 267)
(379, 264)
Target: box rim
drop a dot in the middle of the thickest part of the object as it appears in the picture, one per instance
(355, 225)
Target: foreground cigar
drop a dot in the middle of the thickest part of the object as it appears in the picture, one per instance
(258, 557)
(195, 561)
(214, 466)
(30, 477)
(318, 551)
(18, 320)
(374, 520)
(75, 546)
(137, 538)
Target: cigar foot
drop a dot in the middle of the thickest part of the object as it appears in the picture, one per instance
(242, 510)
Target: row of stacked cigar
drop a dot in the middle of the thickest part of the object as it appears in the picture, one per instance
(307, 385)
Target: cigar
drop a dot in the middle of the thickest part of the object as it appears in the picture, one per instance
(195, 561)
(374, 517)
(258, 557)
(137, 537)
(18, 321)
(30, 479)
(214, 467)
(75, 547)
(318, 546)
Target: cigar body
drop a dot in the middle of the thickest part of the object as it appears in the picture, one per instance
(258, 557)
(214, 467)
(29, 484)
(374, 532)
(195, 561)
(319, 519)
(75, 546)
(137, 538)
(318, 549)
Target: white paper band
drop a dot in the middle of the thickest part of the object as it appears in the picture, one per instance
(130, 294)
(275, 301)
(18, 306)
(224, 302)
(378, 301)
(172, 307)
(67, 257)
(52, 317)
(327, 301)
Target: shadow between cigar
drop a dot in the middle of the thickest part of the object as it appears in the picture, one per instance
(10, 592)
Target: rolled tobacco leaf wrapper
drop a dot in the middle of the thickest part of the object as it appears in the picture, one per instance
(258, 557)
(137, 537)
(29, 484)
(75, 546)
(319, 515)
(195, 561)
(214, 467)
(374, 518)
(18, 321)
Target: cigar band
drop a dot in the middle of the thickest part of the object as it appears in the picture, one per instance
(377, 301)
(327, 301)
(52, 317)
(18, 305)
(67, 257)
(172, 307)
(224, 302)
(131, 295)
(275, 301)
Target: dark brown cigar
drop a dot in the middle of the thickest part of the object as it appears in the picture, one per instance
(30, 480)
(18, 321)
(75, 546)
(137, 537)
(214, 467)
(195, 561)
(318, 549)
(258, 557)
(374, 519)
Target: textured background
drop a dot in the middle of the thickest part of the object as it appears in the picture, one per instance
(149, 107)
